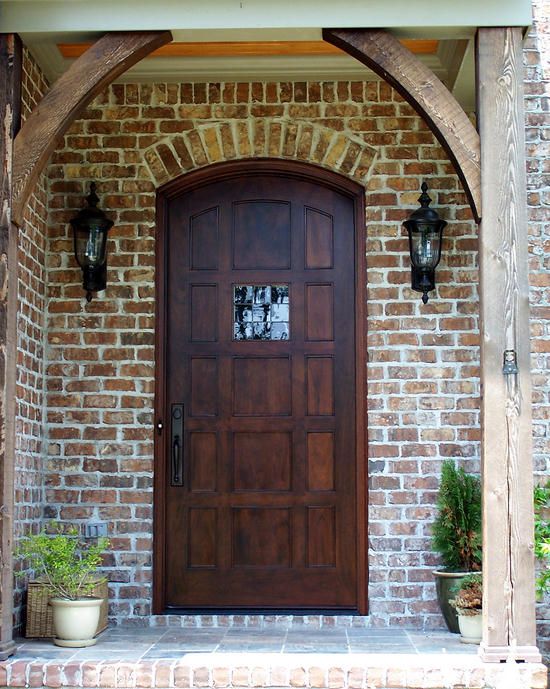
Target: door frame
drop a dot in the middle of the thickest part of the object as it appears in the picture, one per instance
(225, 171)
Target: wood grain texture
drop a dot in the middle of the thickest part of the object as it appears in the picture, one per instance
(103, 62)
(251, 48)
(387, 57)
(10, 77)
(509, 597)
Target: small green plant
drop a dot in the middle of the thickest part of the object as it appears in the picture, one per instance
(469, 595)
(66, 562)
(541, 496)
(456, 532)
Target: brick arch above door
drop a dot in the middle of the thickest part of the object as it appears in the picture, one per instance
(260, 138)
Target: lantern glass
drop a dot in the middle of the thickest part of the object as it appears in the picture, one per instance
(90, 228)
(425, 230)
(90, 245)
(425, 246)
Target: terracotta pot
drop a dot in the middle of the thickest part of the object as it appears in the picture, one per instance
(75, 621)
(470, 628)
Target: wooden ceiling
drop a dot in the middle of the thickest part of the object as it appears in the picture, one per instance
(249, 48)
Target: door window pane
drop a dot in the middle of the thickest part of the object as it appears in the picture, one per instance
(261, 312)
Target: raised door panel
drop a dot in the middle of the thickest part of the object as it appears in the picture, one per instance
(202, 535)
(203, 451)
(204, 240)
(262, 386)
(262, 461)
(321, 537)
(320, 385)
(261, 537)
(319, 239)
(319, 312)
(204, 386)
(204, 313)
(261, 235)
(320, 461)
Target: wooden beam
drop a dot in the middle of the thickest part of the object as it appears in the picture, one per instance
(250, 48)
(387, 57)
(508, 563)
(10, 78)
(103, 62)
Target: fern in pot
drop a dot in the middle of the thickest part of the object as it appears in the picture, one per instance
(456, 534)
(67, 564)
(468, 605)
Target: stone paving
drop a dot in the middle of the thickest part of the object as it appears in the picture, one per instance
(281, 657)
(145, 644)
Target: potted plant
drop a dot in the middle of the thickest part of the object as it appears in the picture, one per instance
(542, 537)
(67, 564)
(456, 534)
(468, 603)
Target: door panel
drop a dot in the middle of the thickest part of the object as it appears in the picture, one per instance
(259, 343)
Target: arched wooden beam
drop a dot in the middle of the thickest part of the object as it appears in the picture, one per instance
(419, 86)
(101, 64)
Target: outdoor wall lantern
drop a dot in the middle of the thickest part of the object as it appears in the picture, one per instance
(90, 228)
(425, 235)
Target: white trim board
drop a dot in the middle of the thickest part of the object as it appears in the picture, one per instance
(127, 15)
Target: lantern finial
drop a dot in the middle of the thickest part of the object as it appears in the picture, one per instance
(92, 198)
(424, 200)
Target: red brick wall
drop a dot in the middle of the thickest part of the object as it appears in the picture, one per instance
(422, 359)
(29, 477)
(537, 129)
(423, 375)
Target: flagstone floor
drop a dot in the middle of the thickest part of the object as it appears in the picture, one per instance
(146, 644)
(253, 658)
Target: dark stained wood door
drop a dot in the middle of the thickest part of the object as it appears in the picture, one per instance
(259, 395)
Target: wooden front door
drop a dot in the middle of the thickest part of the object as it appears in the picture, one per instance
(257, 463)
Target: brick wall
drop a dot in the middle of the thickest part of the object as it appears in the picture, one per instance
(29, 479)
(537, 129)
(422, 368)
(99, 359)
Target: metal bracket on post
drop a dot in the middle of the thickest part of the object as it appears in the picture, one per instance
(510, 364)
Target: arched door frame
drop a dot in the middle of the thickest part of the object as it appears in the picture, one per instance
(226, 171)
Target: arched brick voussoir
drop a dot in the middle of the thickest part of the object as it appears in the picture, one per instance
(260, 138)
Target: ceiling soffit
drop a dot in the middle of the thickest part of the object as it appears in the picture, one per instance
(301, 57)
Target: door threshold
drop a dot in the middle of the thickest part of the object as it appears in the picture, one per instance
(174, 610)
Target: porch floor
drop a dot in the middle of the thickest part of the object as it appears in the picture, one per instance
(355, 658)
(151, 644)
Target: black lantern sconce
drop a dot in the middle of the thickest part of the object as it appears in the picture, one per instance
(90, 228)
(425, 230)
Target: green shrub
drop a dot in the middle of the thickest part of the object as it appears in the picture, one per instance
(542, 536)
(456, 533)
(66, 562)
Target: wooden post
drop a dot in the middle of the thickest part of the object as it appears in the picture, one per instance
(10, 77)
(506, 446)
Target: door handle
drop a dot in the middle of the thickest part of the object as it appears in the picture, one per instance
(176, 470)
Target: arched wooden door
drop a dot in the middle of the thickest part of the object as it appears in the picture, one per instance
(257, 497)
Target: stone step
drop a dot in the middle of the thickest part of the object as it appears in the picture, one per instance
(281, 670)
